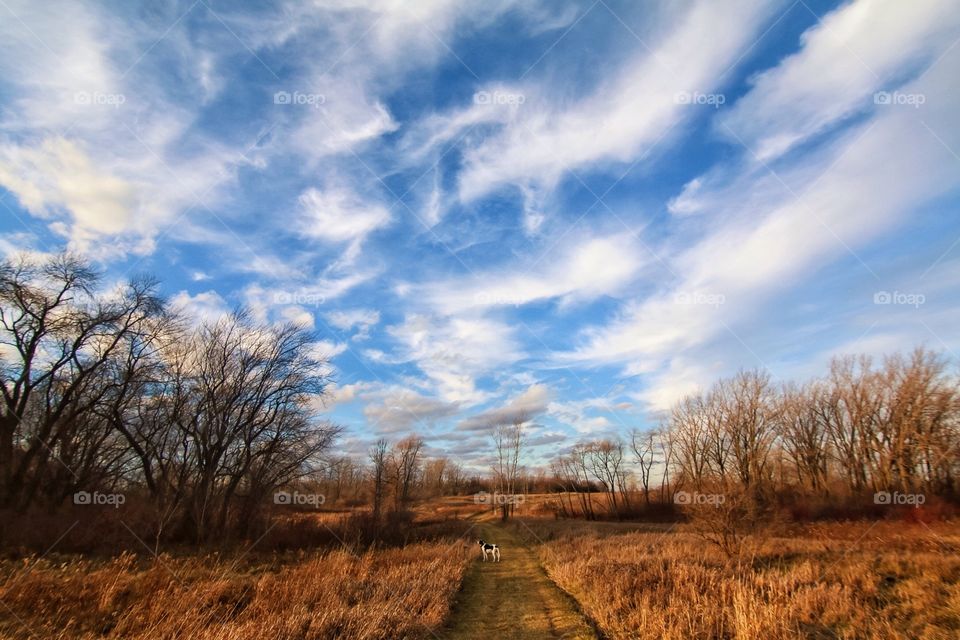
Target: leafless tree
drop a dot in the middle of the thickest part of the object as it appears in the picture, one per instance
(508, 443)
(803, 434)
(748, 417)
(606, 460)
(665, 439)
(404, 462)
(644, 448)
(60, 342)
(378, 474)
(691, 438)
(436, 475)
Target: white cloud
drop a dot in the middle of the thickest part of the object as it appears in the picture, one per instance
(403, 409)
(339, 215)
(347, 119)
(623, 117)
(347, 319)
(769, 232)
(861, 48)
(91, 143)
(344, 394)
(207, 306)
(682, 376)
(580, 414)
(372, 47)
(583, 270)
(454, 352)
(298, 315)
(525, 406)
(376, 355)
(59, 175)
(264, 299)
(327, 350)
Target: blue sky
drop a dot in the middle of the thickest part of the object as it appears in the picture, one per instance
(576, 210)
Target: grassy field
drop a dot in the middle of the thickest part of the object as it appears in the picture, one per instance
(557, 579)
(855, 580)
(513, 598)
(396, 593)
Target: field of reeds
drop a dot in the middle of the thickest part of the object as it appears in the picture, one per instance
(316, 576)
(401, 592)
(870, 580)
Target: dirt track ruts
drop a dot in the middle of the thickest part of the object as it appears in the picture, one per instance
(512, 598)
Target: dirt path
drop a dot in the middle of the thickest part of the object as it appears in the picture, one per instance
(512, 598)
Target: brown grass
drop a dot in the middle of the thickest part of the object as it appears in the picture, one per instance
(396, 593)
(856, 580)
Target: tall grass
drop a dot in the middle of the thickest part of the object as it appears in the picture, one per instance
(880, 581)
(391, 593)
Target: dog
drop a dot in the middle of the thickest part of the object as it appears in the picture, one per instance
(492, 549)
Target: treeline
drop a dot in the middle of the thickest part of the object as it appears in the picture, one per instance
(392, 476)
(113, 393)
(863, 428)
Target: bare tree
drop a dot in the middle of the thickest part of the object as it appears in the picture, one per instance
(644, 448)
(436, 472)
(508, 442)
(606, 460)
(691, 439)
(378, 473)
(803, 434)
(61, 340)
(580, 465)
(405, 464)
(748, 411)
(665, 439)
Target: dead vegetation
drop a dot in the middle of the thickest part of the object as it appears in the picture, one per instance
(393, 593)
(853, 580)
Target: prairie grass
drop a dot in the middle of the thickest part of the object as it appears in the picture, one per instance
(853, 580)
(389, 593)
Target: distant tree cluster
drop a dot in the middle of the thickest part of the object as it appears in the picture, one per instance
(111, 391)
(861, 428)
(393, 475)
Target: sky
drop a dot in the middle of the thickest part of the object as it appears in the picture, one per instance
(575, 211)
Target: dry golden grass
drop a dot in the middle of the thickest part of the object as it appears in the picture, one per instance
(858, 580)
(394, 593)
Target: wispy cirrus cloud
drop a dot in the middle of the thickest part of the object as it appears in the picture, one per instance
(861, 49)
(822, 205)
(624, 117)
(576, 210)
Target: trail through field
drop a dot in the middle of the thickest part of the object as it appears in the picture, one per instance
(512, 598)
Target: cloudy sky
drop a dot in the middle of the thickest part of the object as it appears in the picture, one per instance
(581, 210)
